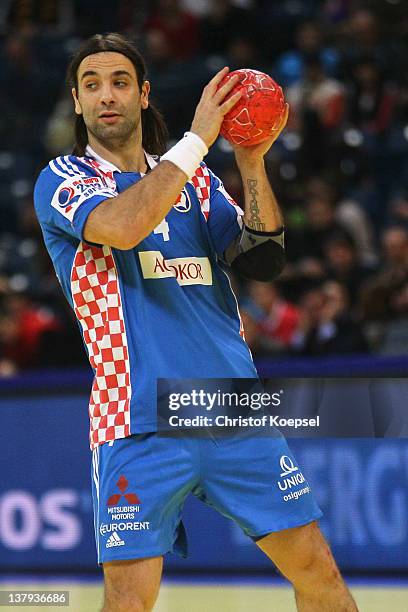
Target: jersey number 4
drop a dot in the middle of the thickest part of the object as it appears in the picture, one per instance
(163, 228)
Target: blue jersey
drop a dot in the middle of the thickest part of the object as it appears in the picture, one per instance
(164, 309)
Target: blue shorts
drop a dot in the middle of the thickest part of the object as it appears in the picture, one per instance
(140, 483)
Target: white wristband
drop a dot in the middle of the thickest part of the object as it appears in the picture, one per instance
(187, 153)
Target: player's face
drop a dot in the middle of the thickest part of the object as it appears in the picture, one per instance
(109, 98)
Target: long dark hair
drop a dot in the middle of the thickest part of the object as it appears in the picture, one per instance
(154, 130)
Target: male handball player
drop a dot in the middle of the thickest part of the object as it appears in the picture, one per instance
(136, 237)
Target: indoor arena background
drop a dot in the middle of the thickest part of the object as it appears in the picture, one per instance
(340, 308)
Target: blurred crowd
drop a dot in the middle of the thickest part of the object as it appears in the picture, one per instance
(340, 169)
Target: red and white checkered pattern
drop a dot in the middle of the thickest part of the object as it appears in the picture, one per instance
(202, 184)
(202, 181)
(98, 307)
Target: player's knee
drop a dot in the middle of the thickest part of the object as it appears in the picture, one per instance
(312, 561)
(126, 602)
(127, 599)
(132, 586)
(308, 562)
(314, 565)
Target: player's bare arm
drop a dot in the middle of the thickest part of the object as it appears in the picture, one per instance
(258, 252)
(262, 212)
(124, 221)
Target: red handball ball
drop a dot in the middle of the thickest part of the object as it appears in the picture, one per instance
(259, 111)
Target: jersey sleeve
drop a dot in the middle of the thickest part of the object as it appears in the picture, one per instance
(66, 192)
(225, 217)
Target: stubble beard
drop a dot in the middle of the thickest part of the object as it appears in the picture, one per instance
(114, 136)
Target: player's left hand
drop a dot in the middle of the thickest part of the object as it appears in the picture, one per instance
(257, 152)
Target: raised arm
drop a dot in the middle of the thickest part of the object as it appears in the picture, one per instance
(261, 212)
(258, 252)
(124, 221)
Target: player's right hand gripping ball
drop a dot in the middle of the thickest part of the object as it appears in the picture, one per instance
(259, 111)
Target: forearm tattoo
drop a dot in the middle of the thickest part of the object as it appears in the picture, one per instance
(254, 221)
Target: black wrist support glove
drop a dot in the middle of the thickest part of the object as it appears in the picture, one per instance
(257, 255)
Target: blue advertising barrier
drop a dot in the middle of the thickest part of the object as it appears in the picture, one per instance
(46, 519)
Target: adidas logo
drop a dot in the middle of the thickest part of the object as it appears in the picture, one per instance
(114, 540)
